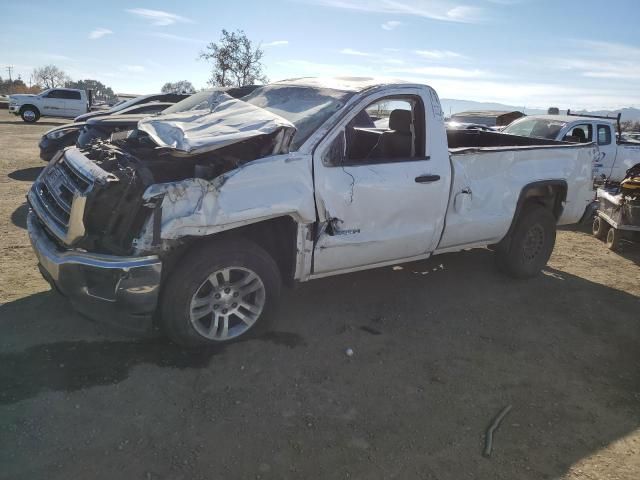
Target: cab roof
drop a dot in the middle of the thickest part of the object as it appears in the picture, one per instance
(347, 84)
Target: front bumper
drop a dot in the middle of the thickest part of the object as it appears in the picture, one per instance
(15, 109)
(122, 291)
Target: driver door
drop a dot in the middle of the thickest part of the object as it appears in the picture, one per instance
(381, 187)
(53, 103)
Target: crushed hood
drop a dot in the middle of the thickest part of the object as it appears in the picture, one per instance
(227, 121)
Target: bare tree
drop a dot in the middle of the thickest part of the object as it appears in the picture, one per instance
(50, 76)
(236, 61)
(181, 86)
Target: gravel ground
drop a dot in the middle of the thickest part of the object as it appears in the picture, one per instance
(440, 347)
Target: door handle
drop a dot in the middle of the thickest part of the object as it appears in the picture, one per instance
(427, 178)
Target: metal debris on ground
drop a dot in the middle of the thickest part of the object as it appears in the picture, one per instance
(488, 438)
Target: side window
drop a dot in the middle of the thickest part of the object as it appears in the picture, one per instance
(604, 135)
(580, 134)
(54, 94)
(69, 95)
(149, 107)
(388, 130)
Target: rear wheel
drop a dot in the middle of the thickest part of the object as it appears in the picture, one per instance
(29, 114)
(220, 293)
(613, 239)
(599, 228)
(527, 249)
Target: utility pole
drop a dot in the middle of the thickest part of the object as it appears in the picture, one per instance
(9, 70)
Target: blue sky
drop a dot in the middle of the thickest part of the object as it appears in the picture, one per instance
(534, 53)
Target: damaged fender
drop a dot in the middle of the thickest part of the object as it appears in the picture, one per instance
(267, 188)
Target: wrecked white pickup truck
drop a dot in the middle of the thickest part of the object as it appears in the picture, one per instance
(192, 222)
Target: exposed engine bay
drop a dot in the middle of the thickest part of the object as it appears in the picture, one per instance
(116, 212)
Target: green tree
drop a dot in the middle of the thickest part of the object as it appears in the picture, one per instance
(181, 86)
(100, 91)
(236, 61)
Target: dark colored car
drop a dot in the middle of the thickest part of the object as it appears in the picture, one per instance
(120, 107)
(104, 125)
(66, 135)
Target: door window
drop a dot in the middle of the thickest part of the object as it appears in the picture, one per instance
(54, 94)
(70, 95)
(604, 135)
(388, 130)
(579, 134)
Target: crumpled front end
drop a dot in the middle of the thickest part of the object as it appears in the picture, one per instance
(228, 121)
(117, 289)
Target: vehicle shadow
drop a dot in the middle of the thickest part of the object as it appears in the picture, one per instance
(19, 216)
(440, 347)
(26, 174)
(71, 365)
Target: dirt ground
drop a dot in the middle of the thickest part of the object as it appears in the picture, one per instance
(440, 347)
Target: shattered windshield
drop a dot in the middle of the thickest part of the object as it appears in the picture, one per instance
(306, 107)
(535, 127)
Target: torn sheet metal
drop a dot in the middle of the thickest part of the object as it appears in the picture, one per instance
(267, 188)
(228, 121)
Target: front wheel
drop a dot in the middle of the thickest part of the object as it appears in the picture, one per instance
(527, 249)
(221, 292)
(29, 114)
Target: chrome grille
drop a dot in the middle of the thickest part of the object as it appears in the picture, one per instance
(54, 196)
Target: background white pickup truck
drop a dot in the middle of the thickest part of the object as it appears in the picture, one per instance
(55, 102)
(195, 219)
(616, 155)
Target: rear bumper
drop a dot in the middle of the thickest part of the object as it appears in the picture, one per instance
(121, 291)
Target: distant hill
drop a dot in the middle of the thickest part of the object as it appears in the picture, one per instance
(451, 106)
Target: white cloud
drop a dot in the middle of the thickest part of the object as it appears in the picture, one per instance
(391, 24)
(438, 54)
(132, 68)
(357, 53)
(55, 56)
(99, 33)
(177, 38)
(594, 59)
(158, 17)
(444, 10)
(448, 72)
(276, 43)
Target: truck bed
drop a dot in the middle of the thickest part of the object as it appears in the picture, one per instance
(458, 139)
(488, 179)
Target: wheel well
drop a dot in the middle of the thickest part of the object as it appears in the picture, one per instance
(550, 194)
(277, 236)
(24, 107)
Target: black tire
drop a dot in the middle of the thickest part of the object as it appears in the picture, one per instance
(190, 276)
(613, 239)
(29, 114)
(526, 250)
(599, 228)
